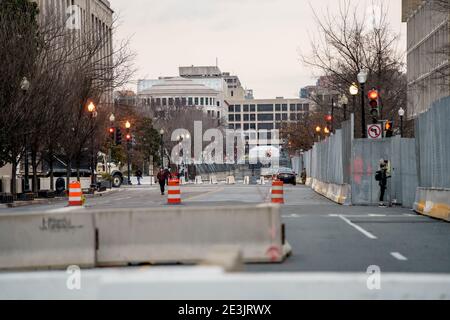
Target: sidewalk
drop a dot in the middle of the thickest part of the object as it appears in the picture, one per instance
(18, 204)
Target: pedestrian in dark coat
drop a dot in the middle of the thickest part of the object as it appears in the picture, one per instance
(162, 180)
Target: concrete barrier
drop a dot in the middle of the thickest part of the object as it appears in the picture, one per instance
(262, 181)
(340, 194)
(433, 203)
(44, 184)
(198, 180)
(33, 241)
(246, 180)
(309, 182)
(188, 234)
(231, 180)
(183, 181)
(85, 183)
(213, 180)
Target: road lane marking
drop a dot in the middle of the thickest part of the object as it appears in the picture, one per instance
(364, 232)
(399, 256)
(65, 209)
(204, 194)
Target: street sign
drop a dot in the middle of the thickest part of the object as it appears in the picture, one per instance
(375, 131)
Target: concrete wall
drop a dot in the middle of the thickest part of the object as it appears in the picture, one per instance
(29, 241)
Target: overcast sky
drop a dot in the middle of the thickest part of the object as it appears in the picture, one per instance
(258, 40)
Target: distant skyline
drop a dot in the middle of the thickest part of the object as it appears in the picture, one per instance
(258, 40)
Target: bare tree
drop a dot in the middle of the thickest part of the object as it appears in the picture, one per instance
(350, 42)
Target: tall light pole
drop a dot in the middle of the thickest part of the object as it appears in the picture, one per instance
(93, 111)
(128, 138)
(318, 131)
(362, 79)
(112, 120)
(354, 90)
(344, 103)
(25, 86)
(401, 114)
(161, 133)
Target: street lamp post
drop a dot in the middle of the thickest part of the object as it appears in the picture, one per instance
(354, 92)
(401, 113)
(362, 78)
(128, 126)
(161, 132)
(333, 105)
(344, 102)
(112, 120)
(25, 86)
(93, 111)
(318, 131)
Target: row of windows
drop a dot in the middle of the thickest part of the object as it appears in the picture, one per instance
(190, 101)
(252, 126)
(268, 107)
(265, 117)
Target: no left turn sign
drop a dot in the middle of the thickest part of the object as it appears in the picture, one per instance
(374, 131)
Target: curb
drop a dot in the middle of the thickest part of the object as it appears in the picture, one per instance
(19, 204)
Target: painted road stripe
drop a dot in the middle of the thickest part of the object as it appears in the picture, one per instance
(399, 256)
(364, 232)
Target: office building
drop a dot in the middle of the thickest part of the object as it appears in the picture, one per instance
(428, 41)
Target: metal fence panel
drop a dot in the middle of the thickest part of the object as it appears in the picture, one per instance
(433, 145)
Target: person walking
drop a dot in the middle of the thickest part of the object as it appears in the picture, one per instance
(303, 176)
(381, 176)
(162, 177)
(139, 176)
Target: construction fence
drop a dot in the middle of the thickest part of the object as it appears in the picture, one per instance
(349, 166)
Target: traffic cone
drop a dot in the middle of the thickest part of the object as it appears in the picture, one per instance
(174, 192)
(75, 194)
(277, 192)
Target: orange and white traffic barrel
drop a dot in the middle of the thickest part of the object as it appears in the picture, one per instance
(277, 191)
(75, 194)
(174, 196)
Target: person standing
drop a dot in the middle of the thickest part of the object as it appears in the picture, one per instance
(139, 176)
(162, 180)
(382, 176)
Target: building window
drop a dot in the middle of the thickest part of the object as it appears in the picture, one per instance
(266, 126)
(253, 126)
(246, 117)
(265, 117)
(246, 107)
(278, 107)
(230, 108)
(232, 93)
(278, 117)
(164, 101)
(183, 101)
(284, 106)
(238, 127)
(211, 101)
(196, 101)
(218, 103)
(293, 107)
(246, 126)
(202, 101)
(218, 114)
(252, 108)
(170, 101)
(265, 107)
(237, 118)
(190, 102)
(237, 108)
(209, 112)
(231, 117)
(231, 126)
(284, 117)
(299, 107)
(253, 117)
(207, 101)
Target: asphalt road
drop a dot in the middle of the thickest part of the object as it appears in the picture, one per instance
(325, 237)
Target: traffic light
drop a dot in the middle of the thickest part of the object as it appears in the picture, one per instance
(388, 128)
(329, 121)
(128, 137)
(111, 133)
(373, 102)
(118, 137)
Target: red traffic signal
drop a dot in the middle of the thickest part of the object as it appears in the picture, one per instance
(373, 94)
(111, 130)
(328, 118)
(128, 137)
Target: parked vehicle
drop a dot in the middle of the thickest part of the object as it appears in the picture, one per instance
(287, 175)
